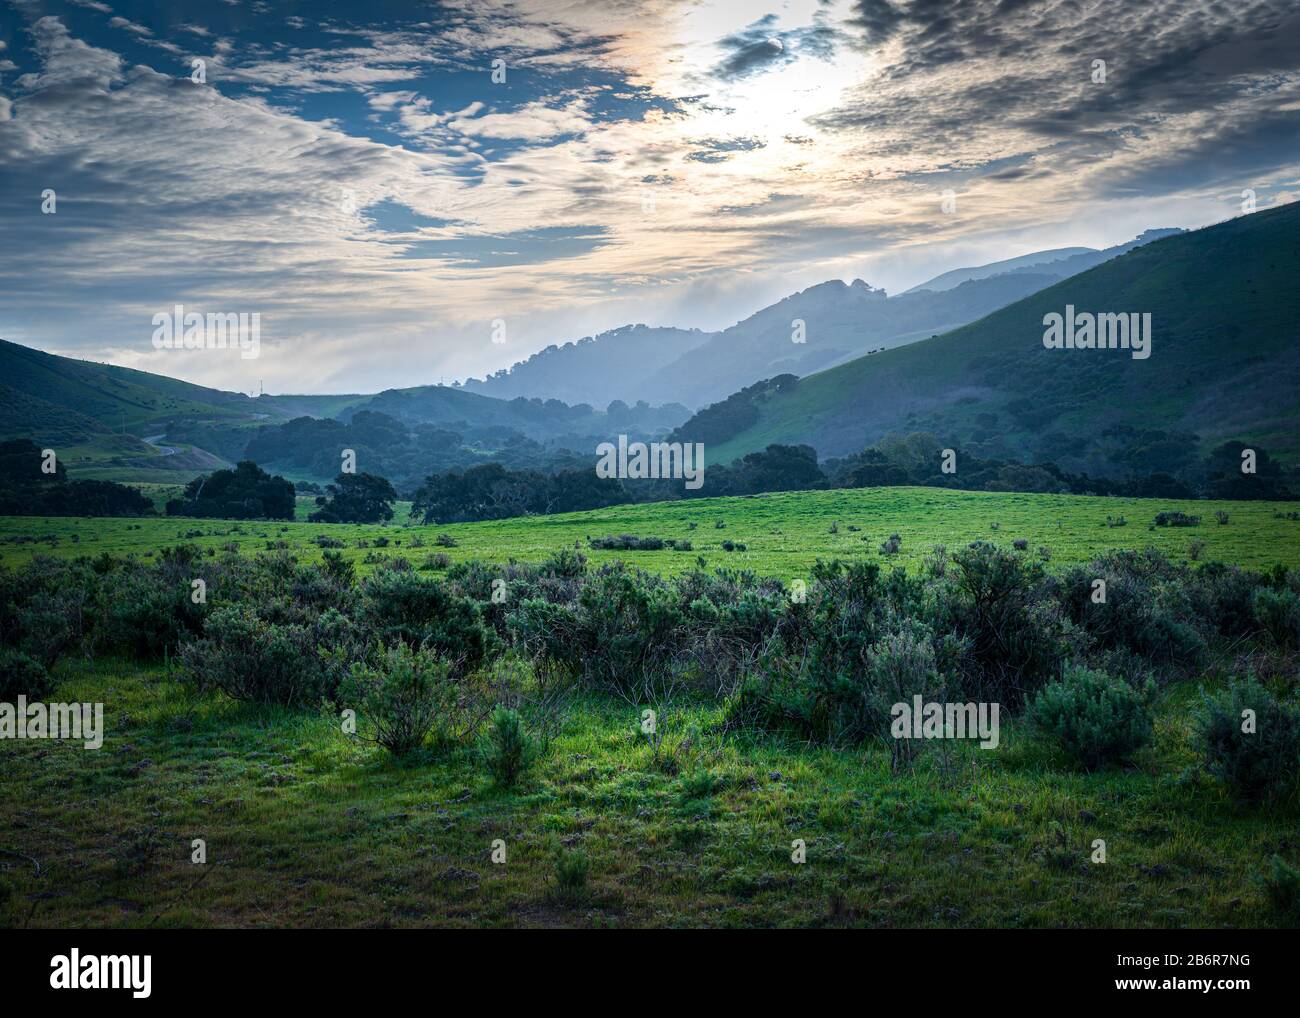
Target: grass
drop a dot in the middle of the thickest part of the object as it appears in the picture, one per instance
(305, 826)
(783, 533)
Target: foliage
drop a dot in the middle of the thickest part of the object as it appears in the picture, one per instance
(1096, 718)
(511, 749)
(1254, 763)
(21, 675)
(356, 498)
(245, 493)
(401, 696)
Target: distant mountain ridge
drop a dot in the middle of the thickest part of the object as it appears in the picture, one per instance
(954, 277)
(840, 321)
(99, 414)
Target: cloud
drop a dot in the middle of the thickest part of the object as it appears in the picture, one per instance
(530, 122)
(641, 157)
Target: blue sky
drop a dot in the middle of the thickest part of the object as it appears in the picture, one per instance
(354, 173)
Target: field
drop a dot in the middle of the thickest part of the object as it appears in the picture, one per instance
(305, 826)
(783, 533)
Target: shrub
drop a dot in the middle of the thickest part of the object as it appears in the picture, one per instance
(249, 658)
(144, 614)
(46, 607)
(625, 632)
(1172, 518)
(402, 696)
(511, 750)
(1253, 763)
(1147, 610)
(999, 604)
(339, 569)
(628, 542)
(892, 546)
(21, 675)
(1221, 516)
(1282, 886)
(571, 871)
(1278, 613)
(402, 605)
(445, 541)
(1096, 718)
(899, 667)
(565, 564)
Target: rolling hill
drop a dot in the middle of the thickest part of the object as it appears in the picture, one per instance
(1225, 362)
(119, 424)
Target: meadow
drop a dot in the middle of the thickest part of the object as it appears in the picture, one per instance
(304, 825)
(783, 533)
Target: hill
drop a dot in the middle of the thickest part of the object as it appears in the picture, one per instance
(119, 424)
(1225, 362)
(840, 321)
(595, 369)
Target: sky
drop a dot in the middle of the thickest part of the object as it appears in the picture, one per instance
(393, 186)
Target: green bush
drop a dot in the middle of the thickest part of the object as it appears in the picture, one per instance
(1173, 518)
(1278, 613)
(1001, 606)
(401, 697)
(143, 615)
(1282, 886)
(571, 870)
(1254, 764)
(22, 675)
(1096, 718)
(252, 659)
(402, 605)
(511, 750)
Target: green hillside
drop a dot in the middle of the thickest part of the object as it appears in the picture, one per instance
(1225, 362)
(117, 399)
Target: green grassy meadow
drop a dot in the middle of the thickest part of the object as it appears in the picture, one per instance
(307, 826)
(783, 533)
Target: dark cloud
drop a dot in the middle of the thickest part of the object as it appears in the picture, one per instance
(756, 48)
(719, 150)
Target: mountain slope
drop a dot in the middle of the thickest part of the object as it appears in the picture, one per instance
(1225, 361)
(105, 398)
(841, 321)
(593, 370)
